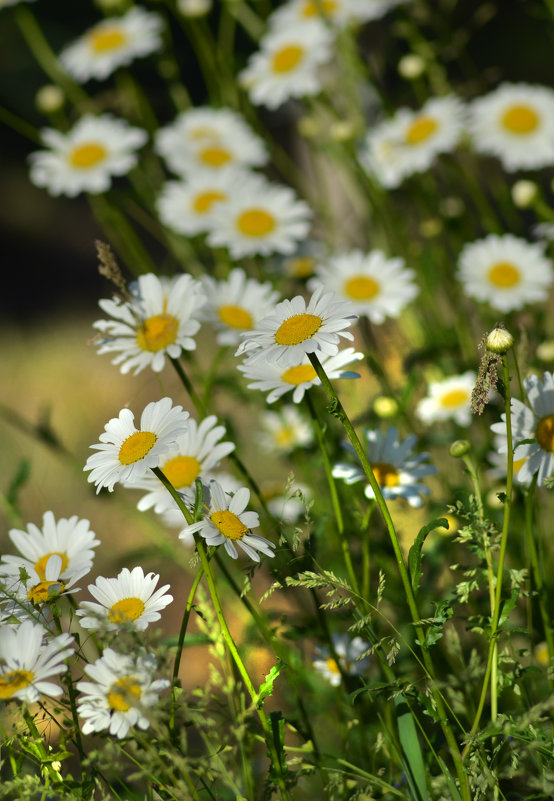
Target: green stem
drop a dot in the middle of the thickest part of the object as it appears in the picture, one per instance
(536, 568)
(39, 746)
(198, 404)
(337, 410)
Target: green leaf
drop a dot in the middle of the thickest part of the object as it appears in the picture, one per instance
(415, 554)
(266, 688)
(407, 734)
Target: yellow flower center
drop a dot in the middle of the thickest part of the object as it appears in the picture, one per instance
(107, 38)
(136, 446)
(385, 474)
(44, 590)
(13, 681)
(299, 374)
(518, 464)
(454, 398)
(284, 436)
(204, 201)
(332, 666)
(545, 433)
(157, 332)
(125, 610)
(124, 693)
(203, 132)
(228, 524)
(301, 267)
(361, 287)
(311, 8)
(297, 329)
(40, 566)
(181, 471)
(215, 156)
(287, 58)
(256, 222)
(87, 155)
(421, 129)
(520, 120)
(503, 274)
(235, 317)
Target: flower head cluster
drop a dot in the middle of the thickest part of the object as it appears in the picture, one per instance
(397, 470)
(159, 321)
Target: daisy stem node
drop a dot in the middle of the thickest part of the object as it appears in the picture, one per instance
(231, 645)
(340, 414)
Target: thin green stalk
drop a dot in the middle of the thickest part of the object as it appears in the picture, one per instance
(335, 502)
(536, 567)
(366, 553)
(40, 749)
(493, 652)
(229, 641)
(488, 556)
(337, 410)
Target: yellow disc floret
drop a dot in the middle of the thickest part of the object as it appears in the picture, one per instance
(181, 471)
(125, 610)
(454, 398)
(504, 274)
(13, 681)
(136, 446)
(297, 329)
(228, 524)
(157, 332)
(256, 222)
(107, 38)
(520, 120)
(361, 287)
(40, 564)
(287, 58)
(235, 317)
(299, 374)
(385, 474)
(421, 129)
(545, 433)
(87, 155)
(124, 694)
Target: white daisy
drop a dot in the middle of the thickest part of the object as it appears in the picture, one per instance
(338, 12)
(127, 453)
(85, 158)
(121, 691)
(285, 430)
(296, 329)
(409, 142)
(349, 653)
(377, 286)
(449, 399)
(114, 42)
(226, 522)
(515, 122)
(288, 64)
(69, 539)
(302, 262)
(396, 468)
(505, 271)
(260, 217)
(236, 304)
(536, 423)
(299, 377)
(159, 321)
(131, 599)
(497, 457)
(209, 139)
(28, 661)
(287, 503)
(187, 206)
(194, 454)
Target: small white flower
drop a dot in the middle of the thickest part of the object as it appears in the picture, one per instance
(160, 321)
(515, 122)
(195, 453)
(536, 423)
(236, 304)
(127, 453)
(285, 430)
(121, 691)
(410, 141)
(69, 539)
(259, 217)
(30, 589)
(85, 158)
(505, 271)
(297, 378)
(187, 206)
(114, 42)
(377, 286)
(131, 599)
(396, 468)
(297, 328)
(449, 399)
(349, 653)
(339, 13)
(497, 457)
(211, 140)
(28, 661)
(225, 522)
(288, 64)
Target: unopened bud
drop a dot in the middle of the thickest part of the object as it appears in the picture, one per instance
(384, 406)
(341, 131)
(459, 448)
(49, 99)
(524, 193)
(411, 66)
(430, 228)
(545, 351)
(499, 340)
(308, 127)
(194, 8)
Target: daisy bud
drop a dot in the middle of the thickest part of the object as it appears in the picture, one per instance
(341, 131)
(499, 340)
(308, 127)
(49, 99)
(384, 406)
(524, 193)
(411, 66)
(194, 8)
(459, 448)
(545, 351)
